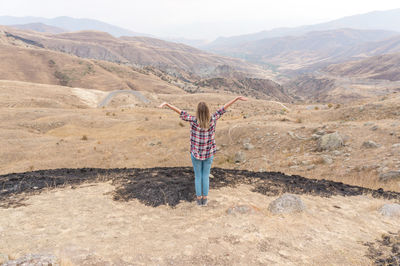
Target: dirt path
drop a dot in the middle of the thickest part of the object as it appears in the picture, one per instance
(105, 101)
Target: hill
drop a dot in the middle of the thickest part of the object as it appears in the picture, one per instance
(313, 49)
(50, 67)
(385, 67)
(71, 24)
(137, 51)
(40, 27)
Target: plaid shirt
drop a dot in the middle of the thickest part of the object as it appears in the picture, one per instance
(202, 141)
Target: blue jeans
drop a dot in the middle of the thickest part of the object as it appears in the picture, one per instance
(201, 174)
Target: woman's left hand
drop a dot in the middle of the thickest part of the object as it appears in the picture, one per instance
(242, 98)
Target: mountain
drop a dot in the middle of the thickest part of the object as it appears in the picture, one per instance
(71, 24)
(40, 27)
(313, 49)
(388, 20)
(139, 51)
(31, 64)
(376, 67)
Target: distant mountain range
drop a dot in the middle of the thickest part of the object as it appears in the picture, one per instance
(68, 24)
(40, 27)
(315, 49)
(378, 20)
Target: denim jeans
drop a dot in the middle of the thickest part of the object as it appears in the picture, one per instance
(201, 175)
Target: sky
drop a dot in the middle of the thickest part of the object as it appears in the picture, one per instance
(197, 19)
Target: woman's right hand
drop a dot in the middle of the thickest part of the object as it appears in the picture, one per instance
(162, 105)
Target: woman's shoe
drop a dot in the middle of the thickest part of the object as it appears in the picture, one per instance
(199, 202)
(205, 201)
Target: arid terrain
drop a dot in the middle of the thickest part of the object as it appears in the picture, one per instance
(50, 127)
(92, 172)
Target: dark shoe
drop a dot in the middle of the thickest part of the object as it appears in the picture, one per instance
(199, 202)
(205, 201)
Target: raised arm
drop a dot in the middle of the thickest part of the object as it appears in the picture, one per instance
(176, 109)
(234, 100)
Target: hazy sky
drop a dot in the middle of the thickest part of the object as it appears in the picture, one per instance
(197, 18)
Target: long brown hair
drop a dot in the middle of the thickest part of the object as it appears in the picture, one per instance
(203, 115)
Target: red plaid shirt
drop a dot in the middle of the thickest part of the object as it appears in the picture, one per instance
(202, 141)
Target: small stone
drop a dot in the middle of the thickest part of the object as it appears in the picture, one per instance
(327, 159)
(374, 128)
(388, 176)
(275, 134)
(33, 259)
(315, 136)
(310, 167)
(369, 144)
(390, 210)
(239, 157)
(395, 146)
(336, 153)
(241, 209)
(330, 142)
(368, 124)
(248, 146)
(287, 203)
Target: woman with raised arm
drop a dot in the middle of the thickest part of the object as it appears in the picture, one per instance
(202, 143)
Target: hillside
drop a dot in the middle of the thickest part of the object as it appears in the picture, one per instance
(385, 67)
(138, 51)
(313, 49)
(71, 24)
(54, 201)
(49, 67)
(40, 27)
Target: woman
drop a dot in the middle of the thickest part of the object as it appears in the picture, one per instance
(202, 143)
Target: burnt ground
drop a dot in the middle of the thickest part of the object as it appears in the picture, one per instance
(385, 251)
(170, 185)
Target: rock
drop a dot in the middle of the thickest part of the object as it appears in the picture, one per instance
(390, 210)
(248, 146)
(241, 209)
(374, 128)
(287, 203)
(330, 142)
(369, 144)
(240, 157)
(310, 167)
(395, 146)
(246, 140)
(320, 132)
(315, 136)
(33, 259)
(368, 124)
(388, 176)
(336, 153)
(327, 159)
